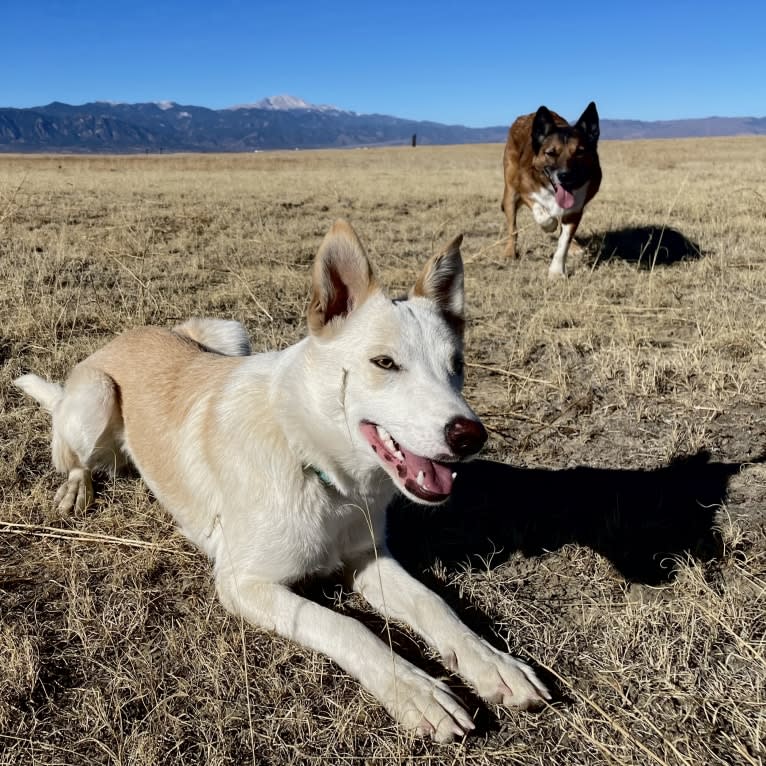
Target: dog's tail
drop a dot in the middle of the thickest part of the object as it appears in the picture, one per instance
(48, 394)
(224, 336)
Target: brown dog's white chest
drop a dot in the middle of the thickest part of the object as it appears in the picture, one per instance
(546, 210)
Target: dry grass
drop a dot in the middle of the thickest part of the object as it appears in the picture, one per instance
(618, 539)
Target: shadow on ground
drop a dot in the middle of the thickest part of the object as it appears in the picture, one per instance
(641, 520)
(646, 246)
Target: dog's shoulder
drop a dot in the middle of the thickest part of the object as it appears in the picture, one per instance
(520, 132)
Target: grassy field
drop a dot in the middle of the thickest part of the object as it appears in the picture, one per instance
(614, 533)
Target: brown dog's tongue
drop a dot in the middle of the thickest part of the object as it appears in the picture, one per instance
(564, 199)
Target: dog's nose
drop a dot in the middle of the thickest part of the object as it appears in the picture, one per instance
(465, 437)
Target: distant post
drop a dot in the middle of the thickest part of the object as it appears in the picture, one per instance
(414, 139)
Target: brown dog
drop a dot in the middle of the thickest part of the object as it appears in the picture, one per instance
(552, 167)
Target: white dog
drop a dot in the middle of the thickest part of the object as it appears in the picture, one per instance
(280, 465)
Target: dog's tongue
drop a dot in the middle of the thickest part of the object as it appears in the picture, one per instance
(437, 478)
(564, 199)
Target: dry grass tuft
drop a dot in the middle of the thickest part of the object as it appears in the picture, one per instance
(615, 536)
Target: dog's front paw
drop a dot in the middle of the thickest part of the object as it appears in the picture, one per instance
(498, 677)
(76, 492)
(426, 705)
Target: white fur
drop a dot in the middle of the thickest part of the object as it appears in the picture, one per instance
(224, 335)
(235, 456)
(547, 212)
(545, 208)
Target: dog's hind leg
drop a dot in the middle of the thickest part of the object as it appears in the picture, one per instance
(87, 430)
(510, 206)
(87, 434)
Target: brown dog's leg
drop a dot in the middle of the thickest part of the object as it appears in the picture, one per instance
(510, 208)
(569, 224)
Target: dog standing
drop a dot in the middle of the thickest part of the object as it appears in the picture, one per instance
(281, 465)
(552, 168)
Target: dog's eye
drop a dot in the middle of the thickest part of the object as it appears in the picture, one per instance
(384, 362)
(550, 153)
(458, 365)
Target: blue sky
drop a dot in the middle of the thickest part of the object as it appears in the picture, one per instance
(476, 63)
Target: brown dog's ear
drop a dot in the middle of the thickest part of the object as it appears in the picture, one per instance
(542, 124)
(342, 277)
(441, 281)
(588, 124)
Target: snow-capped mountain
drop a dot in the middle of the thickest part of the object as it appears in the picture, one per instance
(285, 102)
(278, 122)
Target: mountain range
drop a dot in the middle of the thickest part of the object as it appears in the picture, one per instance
(278, 122)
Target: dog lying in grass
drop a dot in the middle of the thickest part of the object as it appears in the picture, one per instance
(281, 465)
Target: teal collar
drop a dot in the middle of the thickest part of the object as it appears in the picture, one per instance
(323, 477)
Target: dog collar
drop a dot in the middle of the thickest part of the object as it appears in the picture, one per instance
(323, 477)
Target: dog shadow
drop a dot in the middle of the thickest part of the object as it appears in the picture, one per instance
(642, 521)
(645, 246)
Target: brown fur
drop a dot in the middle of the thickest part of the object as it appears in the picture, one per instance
(527, 157)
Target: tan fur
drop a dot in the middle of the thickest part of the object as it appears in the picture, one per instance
(182, 377)
(281, 465)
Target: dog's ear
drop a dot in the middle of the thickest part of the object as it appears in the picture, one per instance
(342, 277)
(542, 125)
(588, 124)
(441, 281)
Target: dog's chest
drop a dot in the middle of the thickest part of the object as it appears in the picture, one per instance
(546, 210)
(308, 530)
(346, 527)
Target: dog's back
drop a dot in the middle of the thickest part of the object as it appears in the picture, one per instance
(88, 425)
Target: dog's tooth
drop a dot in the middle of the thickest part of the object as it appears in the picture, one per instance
(454, 475)
(388, 442)
(421, 479)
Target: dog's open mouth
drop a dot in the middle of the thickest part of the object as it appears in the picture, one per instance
(564, 198)
(422, 477)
